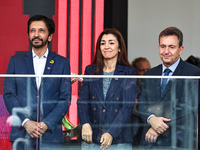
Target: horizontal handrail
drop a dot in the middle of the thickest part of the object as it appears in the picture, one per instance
(99, 76)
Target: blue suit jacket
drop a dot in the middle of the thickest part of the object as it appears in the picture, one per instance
(183, 92)
(54, 94)
(113, 114)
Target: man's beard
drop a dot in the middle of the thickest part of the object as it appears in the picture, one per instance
(38, 46)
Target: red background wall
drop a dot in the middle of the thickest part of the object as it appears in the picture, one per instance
(78, 24)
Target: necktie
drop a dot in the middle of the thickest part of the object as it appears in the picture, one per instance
(164, 80)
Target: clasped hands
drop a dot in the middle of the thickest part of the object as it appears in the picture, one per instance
(106, 138)
(35, 129)
(158, 126)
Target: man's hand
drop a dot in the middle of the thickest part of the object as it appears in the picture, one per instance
(106, 140)
(151, 135)
(32, 128)
(43, 127)
(158, 124)
(87, 133)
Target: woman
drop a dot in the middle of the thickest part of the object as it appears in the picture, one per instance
(106, 104)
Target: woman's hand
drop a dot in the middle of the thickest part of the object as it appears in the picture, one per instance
(106, 140)
(87, 133)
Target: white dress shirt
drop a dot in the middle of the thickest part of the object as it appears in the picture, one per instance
(39, 66)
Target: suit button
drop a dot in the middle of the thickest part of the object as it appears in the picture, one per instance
(93, 97)
(158, 108)
(94, 109)
(95, 121)
(116, 110)
(104, 110)
(117, 98)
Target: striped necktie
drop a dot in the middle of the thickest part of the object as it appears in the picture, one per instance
(164, 80)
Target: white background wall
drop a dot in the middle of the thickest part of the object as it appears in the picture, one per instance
(147, 18)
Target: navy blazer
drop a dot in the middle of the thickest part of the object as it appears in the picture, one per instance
(113, 114)
(53, 96)
(177, 96)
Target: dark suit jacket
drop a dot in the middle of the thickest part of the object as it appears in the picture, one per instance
(48, 104)
(180, 95)
(113, 114)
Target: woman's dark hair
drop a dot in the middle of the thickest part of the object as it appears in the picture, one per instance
(122, 55)
(49, 22)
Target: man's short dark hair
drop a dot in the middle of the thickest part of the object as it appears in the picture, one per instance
(138, 60)
(172, 31)
(49, 22)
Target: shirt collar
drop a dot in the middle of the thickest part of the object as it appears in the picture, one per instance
(45, 55)
(172, 67)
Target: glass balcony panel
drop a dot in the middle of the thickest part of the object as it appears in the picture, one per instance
(117, 105)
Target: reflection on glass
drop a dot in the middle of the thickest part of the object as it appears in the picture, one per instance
(180, 106)
(174, 111)
(36, 113)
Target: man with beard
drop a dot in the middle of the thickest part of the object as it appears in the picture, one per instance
(45, 101)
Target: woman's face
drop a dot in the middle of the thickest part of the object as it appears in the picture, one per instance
(109, 47)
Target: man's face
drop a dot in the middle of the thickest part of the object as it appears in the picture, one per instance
(142, 67)
(39, 34)
(169, 49)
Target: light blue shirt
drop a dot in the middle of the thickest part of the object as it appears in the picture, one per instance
(172, 67)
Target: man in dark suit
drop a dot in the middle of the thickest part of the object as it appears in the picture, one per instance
(39, 103)
(168, 111)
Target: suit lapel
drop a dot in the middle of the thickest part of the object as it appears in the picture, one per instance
(158, 88)
(168, 87)
(158, 72)
(29, 63)
(179, 68)
(99, 89)
(49, 65)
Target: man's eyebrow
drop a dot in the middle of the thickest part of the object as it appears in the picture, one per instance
(167, 45)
